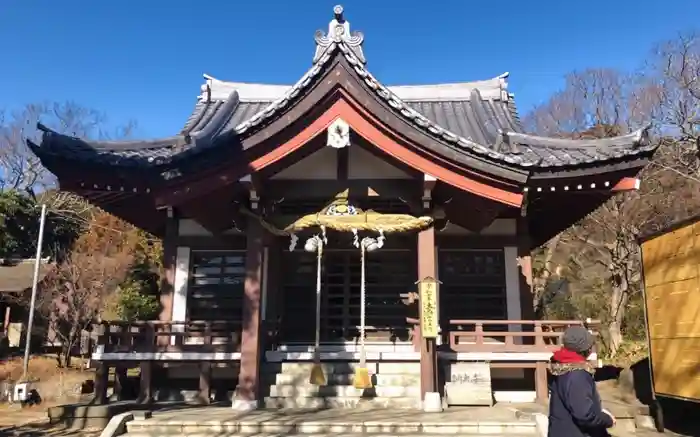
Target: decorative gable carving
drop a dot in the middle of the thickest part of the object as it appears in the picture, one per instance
(338, 134)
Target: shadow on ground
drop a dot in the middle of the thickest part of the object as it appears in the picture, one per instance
(45, 430)
(682, 417)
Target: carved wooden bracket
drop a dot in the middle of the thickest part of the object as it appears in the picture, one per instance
(428, 185)
(253, 188)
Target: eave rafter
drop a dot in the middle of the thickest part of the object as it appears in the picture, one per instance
(479, 214)
(612, 182)
(224, 217)
(548, 214)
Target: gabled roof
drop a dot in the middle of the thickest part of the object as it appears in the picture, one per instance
(471, 118)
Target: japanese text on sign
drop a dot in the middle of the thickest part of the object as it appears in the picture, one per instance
(428, 300)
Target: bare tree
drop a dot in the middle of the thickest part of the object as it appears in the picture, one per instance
(592, 99)
(602, 103)
(74, 295)
(674, 74)
(19, 168)
(73, 298)
(596, 104)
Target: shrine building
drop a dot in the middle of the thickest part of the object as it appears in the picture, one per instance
(296, 217)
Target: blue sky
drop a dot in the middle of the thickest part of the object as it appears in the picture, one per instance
(143, 60)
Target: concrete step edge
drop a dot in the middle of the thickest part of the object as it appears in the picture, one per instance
(347, 428)
(331, 434)
(330, 401)
(346, 379)
(343, 371)
(344, 391)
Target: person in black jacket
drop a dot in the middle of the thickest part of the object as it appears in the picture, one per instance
(574, 406)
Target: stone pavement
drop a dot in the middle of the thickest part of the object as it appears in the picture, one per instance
(514, 420)
(511, 420)
(222, 420)
(33, 422)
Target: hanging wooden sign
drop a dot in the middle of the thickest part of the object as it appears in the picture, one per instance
(428, 296)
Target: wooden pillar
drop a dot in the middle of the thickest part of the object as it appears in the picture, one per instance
(6, 322)
(169, 265)
(525, 266)
(427, 267)
(102, 369)
(146, 378)
(428, 352)
(541, 383)
(527, 304)
(204, 394)
(101, 382)
(146, 382)
(120, 382)
(272, 284)
(249, 374)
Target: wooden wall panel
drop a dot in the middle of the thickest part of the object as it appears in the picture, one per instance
(677, 366)
(671, 257)
(673, 309)
(672, 291)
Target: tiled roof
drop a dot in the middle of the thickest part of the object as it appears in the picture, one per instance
(471, 118)
(17, 275)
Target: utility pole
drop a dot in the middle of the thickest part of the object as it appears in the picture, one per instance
(35, 284)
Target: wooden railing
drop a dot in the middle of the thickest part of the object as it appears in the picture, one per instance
(224, 336)
(522, 335)
(156, 336)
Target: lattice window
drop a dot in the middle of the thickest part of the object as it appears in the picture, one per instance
(216, 283)
(473, 285)
(390, 273)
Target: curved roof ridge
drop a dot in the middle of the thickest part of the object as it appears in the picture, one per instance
(495, 88)
(216, 89)
(115, 145)
(639, 137)
(216, 123)
(283, 100)
(416, 117)
(384, 92)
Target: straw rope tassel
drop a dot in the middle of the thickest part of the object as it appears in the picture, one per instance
(362, 378)
(317, 376)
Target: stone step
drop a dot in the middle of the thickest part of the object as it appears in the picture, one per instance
(343, 391)
(344, 368)
(318, 402)
(143, 428)
(348, 378)
(333, 434)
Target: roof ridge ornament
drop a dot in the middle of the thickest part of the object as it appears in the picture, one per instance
(339, 33)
